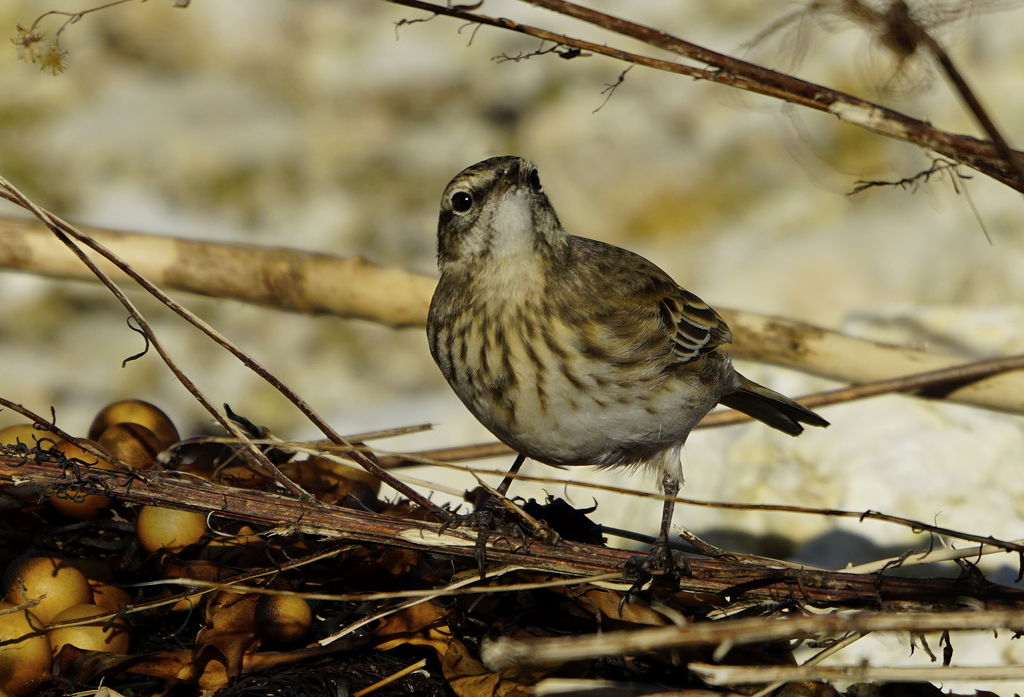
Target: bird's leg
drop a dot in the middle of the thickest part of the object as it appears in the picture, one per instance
(494, 512)
(661, 553)
(484, 501)
(670, 485)
(511, 474)
(660, 564)
(484, 498)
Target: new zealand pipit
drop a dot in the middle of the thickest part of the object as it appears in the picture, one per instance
(570, 350)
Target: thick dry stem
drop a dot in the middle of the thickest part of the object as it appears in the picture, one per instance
(716, 580)
(355, 288)
(288, 279)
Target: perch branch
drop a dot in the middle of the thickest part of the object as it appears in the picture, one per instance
(724, 580)
(974, 152)
(64, 231)
(917, 526)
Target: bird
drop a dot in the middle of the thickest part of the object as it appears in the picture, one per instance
(573, 351)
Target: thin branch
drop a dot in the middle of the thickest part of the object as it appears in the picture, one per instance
(814, 660)
(736, 675)
(64, 230)
(725, 580)
(51, 426)
(914, 525)
(564, 52)
(939, 166)
(610, 88)
(957, 179)
(772, 83)
(931, 383)
(927, 556)
(973, 152)
(397, 675)
(903, 34)
(504, 652)
(73, 17)
(460, 587)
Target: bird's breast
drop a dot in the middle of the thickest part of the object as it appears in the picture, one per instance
(542, 386)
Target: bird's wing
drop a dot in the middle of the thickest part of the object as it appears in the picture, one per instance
(692, 327)
(639, 313)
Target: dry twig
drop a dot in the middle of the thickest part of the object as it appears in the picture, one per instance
(726, 581)
(736, 675)
(505, 652)
(973, 152)
(65, 232)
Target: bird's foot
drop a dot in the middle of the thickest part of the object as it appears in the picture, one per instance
(660, 567)
(493, 513)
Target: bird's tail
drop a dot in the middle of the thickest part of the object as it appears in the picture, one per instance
(774, 409)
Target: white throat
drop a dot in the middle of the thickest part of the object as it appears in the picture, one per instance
(512, 227)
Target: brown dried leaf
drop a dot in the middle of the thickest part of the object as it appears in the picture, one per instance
(229, 631)
(420, 625)
(607, 603)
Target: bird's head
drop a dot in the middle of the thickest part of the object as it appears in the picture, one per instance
(495, 210)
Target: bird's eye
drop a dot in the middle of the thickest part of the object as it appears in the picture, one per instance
(461, 202)
(534, 180)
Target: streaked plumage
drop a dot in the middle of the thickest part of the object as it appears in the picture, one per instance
(570, 350)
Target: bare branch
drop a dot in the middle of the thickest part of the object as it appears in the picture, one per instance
(565, 52)
(939, 166)
(610, 88)
(973, 152)
(736, 675)
(65, 232)
(504, 652)
(726, 580)
(288, 279)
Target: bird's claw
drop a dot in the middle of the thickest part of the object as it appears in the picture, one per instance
(660, 567)
(494, 513)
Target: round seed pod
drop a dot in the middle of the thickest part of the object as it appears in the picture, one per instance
(168, 528)
(283, 620)
(49, 579)
(26, 434)
(139, 412)
(72, 501)
(131, 443)
(23, 665)
(109, 596)
(91, 636)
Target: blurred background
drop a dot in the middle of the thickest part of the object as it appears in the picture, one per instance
(326, 126)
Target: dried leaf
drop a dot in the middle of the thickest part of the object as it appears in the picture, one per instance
(609, 604)
(229, 631)
(419, 625)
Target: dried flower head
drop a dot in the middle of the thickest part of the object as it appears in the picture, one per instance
(27, 44)
(35, 47)
(53, 58)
